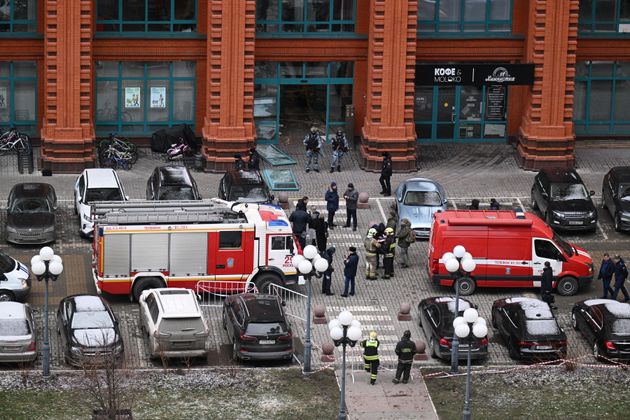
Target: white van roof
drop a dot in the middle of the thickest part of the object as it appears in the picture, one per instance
(178, 303)
(101, 178)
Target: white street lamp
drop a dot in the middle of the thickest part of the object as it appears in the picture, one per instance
(345, 331)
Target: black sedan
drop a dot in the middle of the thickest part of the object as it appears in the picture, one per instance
(616, 196)
(172, 183)
(563, 200)
(605, 324)
(89, 331)
(436, 319)
(31, 213)
(529, 329)
(244, 187)
(257, 327)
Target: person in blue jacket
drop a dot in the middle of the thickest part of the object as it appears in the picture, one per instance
(621, 273)
(606, 271)
(351, 263)
(332, 203)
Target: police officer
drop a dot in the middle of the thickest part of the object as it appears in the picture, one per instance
(371, 247)
(370, 356)
(621, 273)
(389, 249)
(340, 148)
(386, 174)
(405, 350)
(313, 143)
(546, 285)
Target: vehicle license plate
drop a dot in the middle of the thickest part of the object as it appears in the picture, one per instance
(543, 347)
(267, 341)
(575, 222)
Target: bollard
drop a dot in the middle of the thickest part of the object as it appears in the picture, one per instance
(364, 199)
(404, 312)
(319, 312)
(283, 200)
(327, 353)
(420, 351)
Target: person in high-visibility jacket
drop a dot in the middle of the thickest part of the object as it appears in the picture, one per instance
(370, 355)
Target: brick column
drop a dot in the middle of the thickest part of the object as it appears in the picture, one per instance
(546, 136)
(388, 122)
(229, 117)
(67, 129)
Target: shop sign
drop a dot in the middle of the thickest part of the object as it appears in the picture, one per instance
(495, 103)
(474, 74)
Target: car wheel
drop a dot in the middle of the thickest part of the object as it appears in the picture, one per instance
(512, 350)
(6, 296)
(264, 281)
(574, 323)
(534, 203)
(432, 347)
(617, 222)
(567, 286)
(596, 351)
(145, 284)
(494, 323)
(466, 286)
(234, 352)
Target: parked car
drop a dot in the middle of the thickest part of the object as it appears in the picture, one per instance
(605, 323)
(244, 186)
(17, 333)
(436, 319)
(561, 197)
(172, 319)
(416, 200)
(15, 281)
(529, 328)
(89, 331)
(31, 213)
(172, 183)
(616, 196)
(257, 327)
(95, 184)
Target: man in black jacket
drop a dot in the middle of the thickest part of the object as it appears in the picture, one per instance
(254, 159)
(299, 220)
(386, 174)
(546, 285)
(606, 271)
(621, 273)
(405, 350)
(327, 279)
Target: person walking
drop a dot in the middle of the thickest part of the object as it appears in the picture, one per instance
(350, 266)
(254, 159)
(319, 225)
(332, 204)
(606, 271)
(370, 356)
(406, 236)
(389, 248)
(313, 144)
(386, 175)
(405, 350)
(621, 274)
(300, 220)
(352, 198)
(340, 148)
(546, 285)
(327, 279)
(371, 248)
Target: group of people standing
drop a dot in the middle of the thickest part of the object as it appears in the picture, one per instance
(609, 268)
(313, 144)
(382, 240)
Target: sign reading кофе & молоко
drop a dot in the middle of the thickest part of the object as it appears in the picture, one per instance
(474, 74)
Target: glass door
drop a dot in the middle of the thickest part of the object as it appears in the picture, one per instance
(446, 114)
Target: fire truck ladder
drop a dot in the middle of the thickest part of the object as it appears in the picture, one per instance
(164, 212)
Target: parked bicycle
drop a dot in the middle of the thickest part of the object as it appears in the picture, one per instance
(114, 158)
(177, 149)
(14, 140)
(121, 147)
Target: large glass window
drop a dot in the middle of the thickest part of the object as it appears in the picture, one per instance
(18, 16)
(604, 17)
(136, 98)
(305, 16)
(18, 95)
(128, 16)
(464, 16)
(600, 99)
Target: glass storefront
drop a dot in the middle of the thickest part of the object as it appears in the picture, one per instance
(136, 98)
(296, 95)
(128, 16)
(311, 17)
(18, 95)
(464, 16)
(18, 16)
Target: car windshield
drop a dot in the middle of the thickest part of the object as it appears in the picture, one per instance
(88, 320)
(568, 249)
(422, 198)
(624, 192)
(103, 194)
(14, 328)
(30, 205)
(192, 324)
(542, 327)
(566, 192)
(265, 328)
(621, 326)
(253, 193)
(176, 193)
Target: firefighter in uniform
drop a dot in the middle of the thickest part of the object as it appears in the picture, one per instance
(371, 247)
(389, 249)
(405, 350)
(370, 356)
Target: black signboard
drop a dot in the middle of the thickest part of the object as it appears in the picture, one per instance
(495, 103)
(474, 74)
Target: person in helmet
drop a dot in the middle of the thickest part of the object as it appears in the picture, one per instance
(405, 350)
(339, 149)
(389, 250)
(313, 144)
(370, 356)
(371, 247)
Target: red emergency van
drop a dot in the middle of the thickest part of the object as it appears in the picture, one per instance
(509, 248)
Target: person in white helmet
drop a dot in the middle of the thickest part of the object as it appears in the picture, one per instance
(371, 247)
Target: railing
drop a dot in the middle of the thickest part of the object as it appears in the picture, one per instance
(212, 292)
(294, 302)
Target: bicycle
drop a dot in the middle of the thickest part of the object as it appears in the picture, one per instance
(14, 140)
(114, 158)
(121, 144)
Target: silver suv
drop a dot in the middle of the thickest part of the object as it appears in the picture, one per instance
(173, 321)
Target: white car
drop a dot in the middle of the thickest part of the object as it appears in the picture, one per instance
(15, 282)
(172, 319)
(95, 184)
(17, 333)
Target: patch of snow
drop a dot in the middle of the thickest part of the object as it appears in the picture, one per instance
(450, 301)
(533, 308)
(619, 309)
(11, 310)
(88, 303)
(542, 327)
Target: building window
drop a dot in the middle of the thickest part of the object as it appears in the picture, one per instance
(18, 16)
(311, 17)
(600, 100)
(18, 95)
(464, 16)
(604, 17)
(135, 98)
(128, 16)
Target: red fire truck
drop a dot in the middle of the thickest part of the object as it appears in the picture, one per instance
(140, 245)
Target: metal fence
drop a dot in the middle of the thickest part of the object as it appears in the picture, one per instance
(212, 292)
(294, 304)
